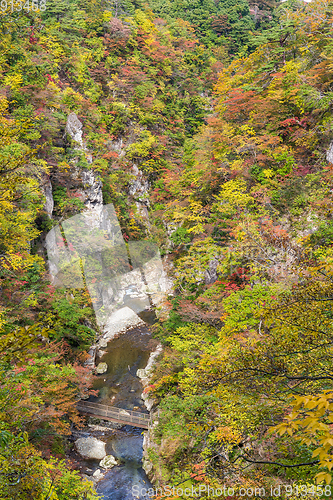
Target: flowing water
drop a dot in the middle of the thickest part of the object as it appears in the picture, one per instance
(120, 482)
(120, 387)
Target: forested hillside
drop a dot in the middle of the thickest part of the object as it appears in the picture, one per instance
(209, 126)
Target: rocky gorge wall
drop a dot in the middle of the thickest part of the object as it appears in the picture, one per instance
(118, 297)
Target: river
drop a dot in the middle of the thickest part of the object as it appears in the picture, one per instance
(121, 387)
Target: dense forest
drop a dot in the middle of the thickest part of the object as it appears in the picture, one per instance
(223, 111)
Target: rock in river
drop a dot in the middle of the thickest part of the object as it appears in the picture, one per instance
(124, 412)
(90, 447)
(101, 368)
(98, 475)
(108, 462)
(103, 343)
(141, 373)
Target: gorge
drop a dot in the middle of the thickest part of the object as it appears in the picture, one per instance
(166, 200)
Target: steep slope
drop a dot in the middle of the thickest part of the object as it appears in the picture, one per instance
(251, 324)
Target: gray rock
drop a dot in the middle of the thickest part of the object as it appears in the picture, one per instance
(329, 153)
(139, 186)
(90, 447)
(119, 321)
(98, 475)
(125, 413)
(92, 192)
(95, 427)
(92, 189)
(152, 359)
(74, 128)
(108, 462)
(103, 343)
(141, 373)
(49, 202)
(90, 362)
(149, 403)
(211, 272)
(101, 368)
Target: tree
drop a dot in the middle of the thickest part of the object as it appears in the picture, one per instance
(20, 197)
(25, 474)
(42, 389)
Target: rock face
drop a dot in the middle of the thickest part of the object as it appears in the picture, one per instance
(49, 202)
(149, 403)
(152, 359)
(148, 443)
(144, 375)
(92, 189)
(74, 128)
(148, 436)
(139, 186)
(139, 190)
(211, 272)
(101, 368)
(329, 154)
(90, 447)
(108, 462)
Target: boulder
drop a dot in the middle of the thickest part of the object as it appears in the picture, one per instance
(149, 403)
(121, 320)
(125, 413)
(108, 462)
(90, 447)
(97, 475)
(101, 368)
(95, 427)
(141, 373)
